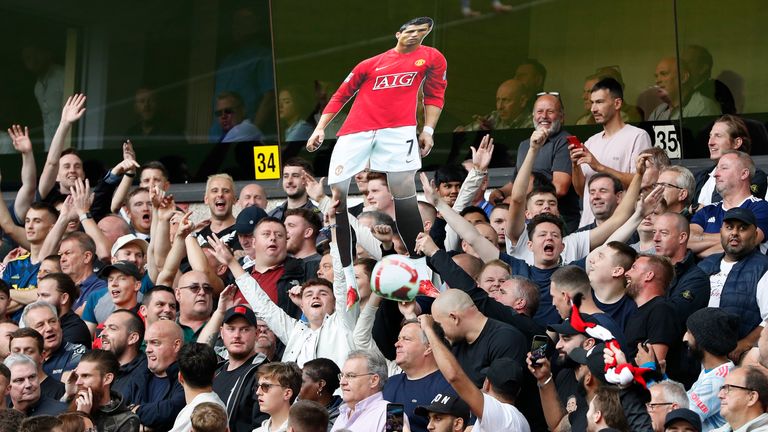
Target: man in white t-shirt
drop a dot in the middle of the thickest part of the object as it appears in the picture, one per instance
(494, 405)
(612, 151)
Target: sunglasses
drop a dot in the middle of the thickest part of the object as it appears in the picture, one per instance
(224, 111)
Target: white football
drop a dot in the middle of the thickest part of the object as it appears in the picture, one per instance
(395, 277)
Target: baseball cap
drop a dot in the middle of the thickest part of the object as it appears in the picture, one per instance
(126, 239)
(683, 414)
(741, 214)
(248, 218)
(240, 311)
(592, 358)
(565, 328)
(125, 267)
(505, 375)
(445, 404)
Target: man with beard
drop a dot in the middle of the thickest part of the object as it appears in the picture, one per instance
(653, 327)
(295, 188)
(737, 277)
(613, 150)
(562, 399)
(235, 378)
(552, 160)
(95, 397)
(711, 336)
(123, 334)
(302, 228)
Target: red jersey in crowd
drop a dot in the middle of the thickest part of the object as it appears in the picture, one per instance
(387, 88)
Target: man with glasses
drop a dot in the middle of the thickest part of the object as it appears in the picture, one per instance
(613, 150)
(666, 396)
(277, 389)
(679, 187)
(362, 378)
(197, 363)
(230, 112)
(743, 399)
(195, 296)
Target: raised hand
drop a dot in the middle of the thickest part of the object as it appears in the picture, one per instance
(384, 234)
(227, 298)
(20, 138)
(82, 198)
(429, 189)
(126, 165)
(185, 227)
(128, 152)
(648, 204)
(539, 137)
(410, 310)
(73, 109)
(481, 157)
(425, 245)
(642, 163)
(220, 250)
(314, 187)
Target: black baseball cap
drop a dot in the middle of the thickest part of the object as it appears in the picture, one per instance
(685, 415)
(592, 358)
(505, 375)
(445, 404)
(240, 311)
(125, 267)
(248, 218)
(740, 214)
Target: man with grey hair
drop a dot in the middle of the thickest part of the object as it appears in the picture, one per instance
(362, 379)
(744, 396)
(679, 188)
(665, 396)
(24, 390)
(61, 356)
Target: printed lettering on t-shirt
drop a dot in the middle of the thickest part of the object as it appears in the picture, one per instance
(404, 79)
(699, 403)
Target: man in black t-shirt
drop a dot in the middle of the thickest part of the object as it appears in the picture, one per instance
(235, 378)
(653, 327)
(606, 267)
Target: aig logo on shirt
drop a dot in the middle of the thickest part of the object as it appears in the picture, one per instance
(394, 80)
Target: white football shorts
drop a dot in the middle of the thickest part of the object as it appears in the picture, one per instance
(384, 150)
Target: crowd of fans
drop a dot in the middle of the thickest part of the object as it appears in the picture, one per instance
(122, 314)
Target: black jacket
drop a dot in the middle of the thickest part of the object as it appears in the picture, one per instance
(159, 415)
(242, 405)
(115, 416)
(131, 381)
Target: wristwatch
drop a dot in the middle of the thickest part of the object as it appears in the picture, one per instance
(85, 216)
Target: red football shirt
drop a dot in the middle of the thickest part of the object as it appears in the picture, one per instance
(267, 281)
(387, 88)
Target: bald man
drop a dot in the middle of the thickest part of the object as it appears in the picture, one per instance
(163, 396)
(252, 194)
(511, 112)
(477, 341)
(674, 86)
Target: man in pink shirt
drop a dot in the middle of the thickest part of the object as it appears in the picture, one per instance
(611, 151)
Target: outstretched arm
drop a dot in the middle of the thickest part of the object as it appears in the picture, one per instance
(210, 332)
(9, 227)
(127, 169)
(177, 253)
(599, 235)
(73, 110)
(487, 250)
(26, 194)
(643, 208)
(82, 199)
(516, 220)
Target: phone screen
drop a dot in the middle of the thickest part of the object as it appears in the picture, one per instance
(539, 347)
(395, 418)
